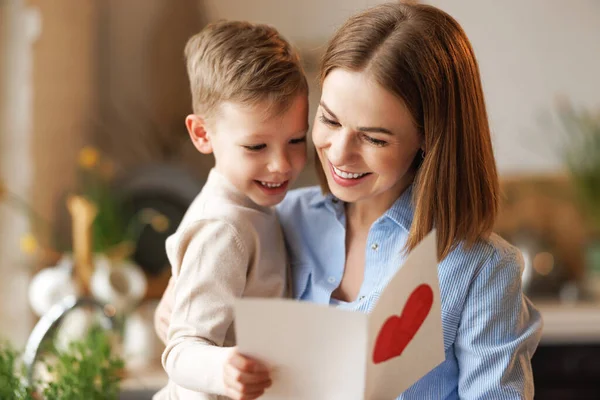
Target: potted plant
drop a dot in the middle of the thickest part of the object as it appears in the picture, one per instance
(87, 369)
(582, 158)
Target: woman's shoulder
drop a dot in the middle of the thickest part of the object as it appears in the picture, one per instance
(488, 252)
(500, 250)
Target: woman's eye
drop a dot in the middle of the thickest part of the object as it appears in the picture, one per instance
(328, 121)
(255, 147)
(298, 140)
(376, 142)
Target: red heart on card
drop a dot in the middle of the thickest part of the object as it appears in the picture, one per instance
(397, 331)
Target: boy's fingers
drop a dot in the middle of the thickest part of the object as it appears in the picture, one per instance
(246, 364)
(235, 375)
(238, 390)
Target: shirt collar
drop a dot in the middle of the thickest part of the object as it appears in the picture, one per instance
(401, 212)
(321, 199)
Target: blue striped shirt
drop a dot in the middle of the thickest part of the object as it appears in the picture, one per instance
(490, 328)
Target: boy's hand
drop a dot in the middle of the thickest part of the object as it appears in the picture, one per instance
(245, 378)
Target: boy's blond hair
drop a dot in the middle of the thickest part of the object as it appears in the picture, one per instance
(245, 63)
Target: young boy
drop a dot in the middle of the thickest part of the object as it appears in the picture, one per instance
(250, 99)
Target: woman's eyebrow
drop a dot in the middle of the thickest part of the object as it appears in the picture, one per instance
(374, 130)
(322, 104)
(360, 128)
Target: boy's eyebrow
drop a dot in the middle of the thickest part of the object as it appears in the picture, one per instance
(302, 131)
(372, 129)
(260, 136)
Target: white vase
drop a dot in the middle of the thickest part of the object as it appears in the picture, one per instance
(141, 346)
(51, 285)
(121, 284)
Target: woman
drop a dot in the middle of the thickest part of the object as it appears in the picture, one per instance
(403, 140)
(404, 146)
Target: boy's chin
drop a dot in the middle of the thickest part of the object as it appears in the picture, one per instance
(270, 201)
(265, 200)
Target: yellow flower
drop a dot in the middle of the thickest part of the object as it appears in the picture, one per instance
(88, 157)
(160, 223)
(29, 244)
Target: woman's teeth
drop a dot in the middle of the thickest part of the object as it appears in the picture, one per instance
(347, 175)
(271, 185)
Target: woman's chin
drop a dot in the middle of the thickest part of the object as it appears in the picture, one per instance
(345, 194)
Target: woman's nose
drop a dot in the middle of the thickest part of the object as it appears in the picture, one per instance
(340, 148)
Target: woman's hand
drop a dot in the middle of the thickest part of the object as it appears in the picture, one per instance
(245, 378)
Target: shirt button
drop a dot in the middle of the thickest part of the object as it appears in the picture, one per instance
(375, 246)
(334, 201)
(361, 298)
(331, 279)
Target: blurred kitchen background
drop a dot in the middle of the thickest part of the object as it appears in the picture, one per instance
(93, 95)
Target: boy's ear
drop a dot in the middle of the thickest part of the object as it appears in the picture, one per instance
(196, 127)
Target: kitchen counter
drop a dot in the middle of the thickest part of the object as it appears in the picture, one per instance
(566, 323)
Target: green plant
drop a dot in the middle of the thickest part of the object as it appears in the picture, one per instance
(582, 157)
(87, 369)
(12, 383)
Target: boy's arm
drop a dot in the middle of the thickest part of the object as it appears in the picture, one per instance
(162, 314)
(213, 263)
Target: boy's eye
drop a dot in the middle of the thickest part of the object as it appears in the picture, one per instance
(373, 141)
(298, 140)
(328, 121)
(255, 147)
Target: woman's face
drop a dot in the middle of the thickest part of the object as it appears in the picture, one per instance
(365, 138)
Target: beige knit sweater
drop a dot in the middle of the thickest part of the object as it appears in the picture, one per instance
(226, 247)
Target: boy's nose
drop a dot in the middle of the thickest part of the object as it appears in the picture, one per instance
(280, 164)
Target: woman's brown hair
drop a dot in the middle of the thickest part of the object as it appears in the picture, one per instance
(422, 55)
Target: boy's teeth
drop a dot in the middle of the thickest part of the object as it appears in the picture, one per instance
(271, 185)
(347, 175)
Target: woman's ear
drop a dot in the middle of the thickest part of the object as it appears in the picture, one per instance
(196, 127)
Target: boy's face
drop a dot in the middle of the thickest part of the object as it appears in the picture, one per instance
(260, 155)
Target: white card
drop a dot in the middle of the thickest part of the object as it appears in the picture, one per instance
(321, 352)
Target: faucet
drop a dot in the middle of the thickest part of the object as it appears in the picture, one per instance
(52, 318)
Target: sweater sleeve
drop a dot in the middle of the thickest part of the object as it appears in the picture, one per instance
(210, 264)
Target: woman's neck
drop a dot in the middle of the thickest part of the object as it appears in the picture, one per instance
(361, 215)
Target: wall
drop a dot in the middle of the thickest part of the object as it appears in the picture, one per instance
(19, 27)
(64, 78)
(48, 92)
(531, 53)
(144, 93)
